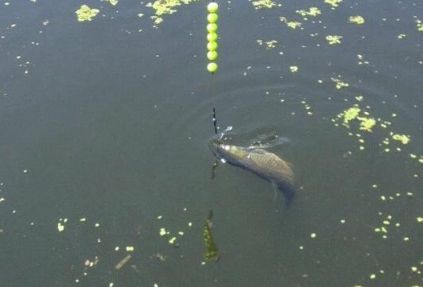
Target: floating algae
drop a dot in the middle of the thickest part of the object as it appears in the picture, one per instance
(350, 114)
(85, 13)
(404, 139)
(359, 20)
(333, 39)
(290, 24)
(269, 44)
(312, 11)
(113, 2)
(212, 253)
(366, 124)
(339, 83)
(165, 7)
(260, 4)
(419, 25)
(333, 3)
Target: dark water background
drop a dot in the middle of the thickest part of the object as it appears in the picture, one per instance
(105, 122)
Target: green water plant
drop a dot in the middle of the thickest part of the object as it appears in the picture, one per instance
(212, 252)
(85, 13)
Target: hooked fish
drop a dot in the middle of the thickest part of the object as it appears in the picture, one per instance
(265, 164)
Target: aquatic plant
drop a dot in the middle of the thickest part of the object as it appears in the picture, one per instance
(85, 13)
(359, 20)
(212, 252)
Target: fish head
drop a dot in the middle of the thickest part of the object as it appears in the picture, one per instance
(228, 152)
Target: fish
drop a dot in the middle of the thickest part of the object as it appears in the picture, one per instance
(259, 161)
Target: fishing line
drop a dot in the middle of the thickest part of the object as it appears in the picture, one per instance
(212, 45)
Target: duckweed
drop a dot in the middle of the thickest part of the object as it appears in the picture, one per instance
(85, 13)
(260, 4)
(290, 24)
(333, 3)
(366, 124)
(113, 2)
(404, 139)
(165, 7)
(312, 11)
(359, 20)
(333, 39)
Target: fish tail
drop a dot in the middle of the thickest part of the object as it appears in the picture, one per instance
(288, 192)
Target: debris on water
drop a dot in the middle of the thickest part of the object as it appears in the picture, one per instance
(122, 262)
(212, 253)
(333, 39)
(130, 248)
(359, 20)
(313, 235)
(419, 24)
(85, 13)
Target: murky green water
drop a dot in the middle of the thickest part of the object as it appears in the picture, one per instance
(104, 130)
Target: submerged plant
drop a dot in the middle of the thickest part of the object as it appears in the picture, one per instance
(212, 253)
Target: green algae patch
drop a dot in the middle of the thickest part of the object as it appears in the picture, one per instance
(271, 44)
(290, 24)
(366, 124)
(339, 84)
(165, 7)
(333, 39)
(355, 113)
(349, 115)
(312, 12)
(212, 252)
(404, 139)
(359, 20)
(260, 4)
(113, 2)
(85, 13)
(333, 3)
(293, 69)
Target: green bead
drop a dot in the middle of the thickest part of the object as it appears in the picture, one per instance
(211, 37)
(212, 18)
(212, 27)
(212, 46)
(212, 7)
(212, 67)
(212, 55)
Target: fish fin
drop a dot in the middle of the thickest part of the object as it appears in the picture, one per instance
(288, 192)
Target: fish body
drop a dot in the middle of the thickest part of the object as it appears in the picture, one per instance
(265, 164)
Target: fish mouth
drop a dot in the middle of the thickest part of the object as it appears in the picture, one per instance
(214, 145)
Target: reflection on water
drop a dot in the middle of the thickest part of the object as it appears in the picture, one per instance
(105, 126)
